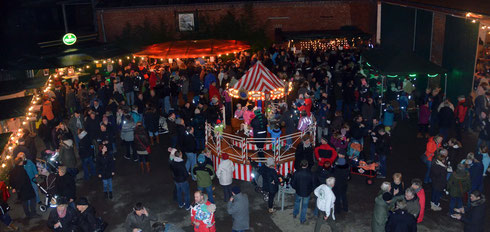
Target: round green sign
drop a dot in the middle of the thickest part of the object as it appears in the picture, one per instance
(69, 39)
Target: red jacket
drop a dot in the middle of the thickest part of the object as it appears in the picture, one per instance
(460, 111)
(322, 160)
(308, 105)
(421, 196)
(5, 192)
(198, 214)
(431, 148)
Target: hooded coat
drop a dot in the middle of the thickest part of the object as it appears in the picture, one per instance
(225, 172)
(19, 180)
(401, 221)
(458, 184)
(380, 214)
(474, 217)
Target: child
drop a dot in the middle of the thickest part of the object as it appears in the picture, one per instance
(239, 112)
(275, 134)
(397, 184)
(424, 115)
(304, 122)
(340, 142)
(105, 170)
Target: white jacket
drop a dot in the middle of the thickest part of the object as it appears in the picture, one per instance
(326, 200)
(225, 172)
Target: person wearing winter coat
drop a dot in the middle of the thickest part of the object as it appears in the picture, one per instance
(65, 185)
(180, 176)
(238, 208)
(44, 132)
(473, 216)
(63, 218)
(86, 153)
(326, 204)
(400, 220)
(139, 219)
(225, 175)
(382, 204)
(325, 152)
(438, 174)
(433, 144)
(204, 174)
(86, 218)
(32, 173)
(412, 201)
(105, 170)
(446, 118)
(303, 182)
(20, 183)
(142, 145)
(341, 173)
(76, 123)
(127, 137)
(382, 150)
(67, 156)
(417, 187)
(202, 213)
(259, 125)
(151, 124)
(304, 151)
(458, 184)
(190, 149)
(270, 181)
(424, 115)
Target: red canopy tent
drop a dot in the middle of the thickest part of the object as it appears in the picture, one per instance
(193, 48)
(256, 83)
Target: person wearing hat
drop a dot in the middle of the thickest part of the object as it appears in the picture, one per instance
(381, 206)
(270, 181)
(225, 175)
(204, 175)
(63, 218)
(87, 220)
(238, 208)
(325, 152)
(401, 219)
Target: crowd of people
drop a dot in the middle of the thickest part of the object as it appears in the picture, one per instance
(123, 113)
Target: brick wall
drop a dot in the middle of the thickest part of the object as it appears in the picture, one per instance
(289, 16)
(438, 34)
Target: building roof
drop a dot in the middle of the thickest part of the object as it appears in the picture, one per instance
(449, 6)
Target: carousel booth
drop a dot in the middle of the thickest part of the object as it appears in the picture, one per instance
(260, 87)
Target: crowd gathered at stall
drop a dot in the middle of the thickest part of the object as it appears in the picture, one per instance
(122, 114)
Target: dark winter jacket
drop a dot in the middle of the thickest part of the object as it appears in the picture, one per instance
(270, 179)
(189, 143)
(105, 165)
(459, 184)
(141, 138)
(85, 148)
(446, 117)
(68, 223)
(474, 217)
(19, 180)
(341, 174)
(303, 182)
(87, 221)
(401, 221)
(179, 170)
(303, 153)
(322, 175)
(438, 174)
(198, 122)
(151, 121)
(65, 186)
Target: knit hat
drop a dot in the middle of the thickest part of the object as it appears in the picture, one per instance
(387, 196)
(82, 201)
(270, 162)
(201, 158)
(225, 156)
(236, 189)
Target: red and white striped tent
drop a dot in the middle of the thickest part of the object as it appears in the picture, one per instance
(257, 82)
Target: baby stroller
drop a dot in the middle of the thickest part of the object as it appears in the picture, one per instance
(363, 168)
(47, 186)
(48, 163)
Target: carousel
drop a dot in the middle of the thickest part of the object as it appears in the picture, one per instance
(261, 87)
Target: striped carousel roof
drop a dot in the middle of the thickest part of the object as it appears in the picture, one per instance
(259, 79)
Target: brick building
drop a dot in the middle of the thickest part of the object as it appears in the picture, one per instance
(287, 16)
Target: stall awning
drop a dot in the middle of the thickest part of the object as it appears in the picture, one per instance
(324, 34)
(193, 48)
(15, 107)
(398, 62)
(15, 86)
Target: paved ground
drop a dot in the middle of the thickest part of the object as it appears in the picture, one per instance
(155, 190)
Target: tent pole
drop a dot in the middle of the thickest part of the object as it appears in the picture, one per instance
(382, 95)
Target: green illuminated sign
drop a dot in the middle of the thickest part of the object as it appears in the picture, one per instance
(392, 75)
(435, 75)
(412, 75)
(69, 39)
